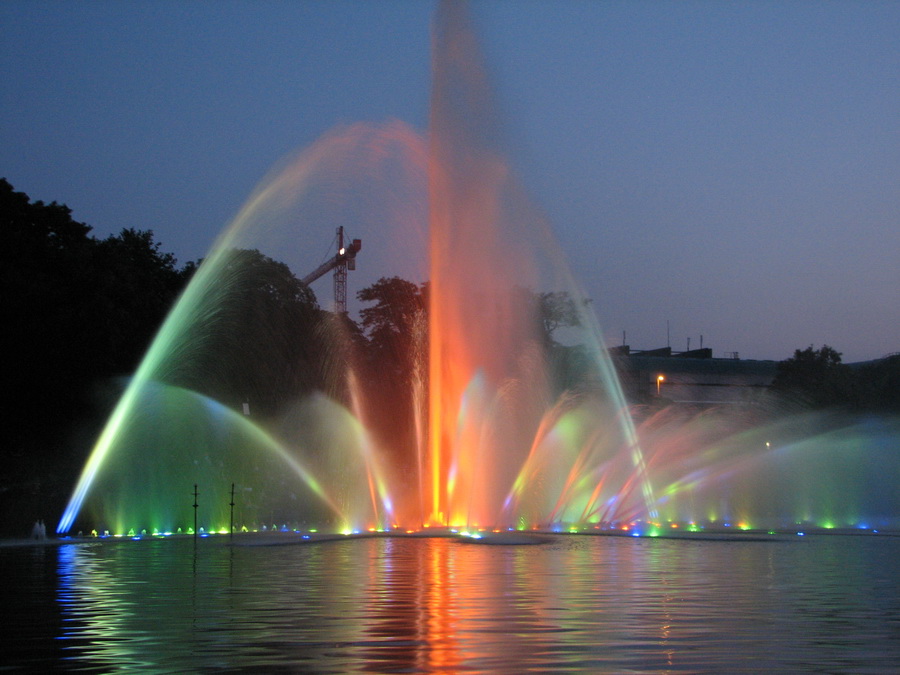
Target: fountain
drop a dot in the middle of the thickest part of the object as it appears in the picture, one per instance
(498, 429)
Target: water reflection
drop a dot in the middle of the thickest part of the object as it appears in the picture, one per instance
(414, 605)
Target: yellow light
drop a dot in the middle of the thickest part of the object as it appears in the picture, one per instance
(659, 380)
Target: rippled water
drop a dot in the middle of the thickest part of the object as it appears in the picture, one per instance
(576, 603)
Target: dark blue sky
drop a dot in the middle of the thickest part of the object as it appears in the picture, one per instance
(732, 168)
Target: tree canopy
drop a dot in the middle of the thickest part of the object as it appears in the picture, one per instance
(77, 310)
(265, 327)
(814, 377)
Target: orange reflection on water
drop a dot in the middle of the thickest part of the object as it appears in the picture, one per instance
(438, 602)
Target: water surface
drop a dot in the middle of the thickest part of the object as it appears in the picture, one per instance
(576, 603)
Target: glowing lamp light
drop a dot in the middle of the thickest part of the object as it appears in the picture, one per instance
(659, 380)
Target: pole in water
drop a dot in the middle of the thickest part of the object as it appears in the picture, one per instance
(231, 535)
(195, 511)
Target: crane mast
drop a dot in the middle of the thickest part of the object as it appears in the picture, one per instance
(344, 260)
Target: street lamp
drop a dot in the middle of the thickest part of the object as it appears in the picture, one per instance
(659, 381)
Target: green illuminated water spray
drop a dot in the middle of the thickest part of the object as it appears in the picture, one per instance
(195, 511)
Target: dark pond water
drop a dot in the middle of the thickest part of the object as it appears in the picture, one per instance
(576, 603)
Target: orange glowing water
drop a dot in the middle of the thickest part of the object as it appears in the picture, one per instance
(480, 340)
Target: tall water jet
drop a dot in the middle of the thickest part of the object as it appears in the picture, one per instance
(490, 380)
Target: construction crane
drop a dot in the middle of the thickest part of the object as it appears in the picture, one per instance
(344, 260)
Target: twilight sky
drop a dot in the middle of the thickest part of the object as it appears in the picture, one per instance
(732, 168)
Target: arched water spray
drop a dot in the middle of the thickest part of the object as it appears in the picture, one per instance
(477, 405)
(198, 347)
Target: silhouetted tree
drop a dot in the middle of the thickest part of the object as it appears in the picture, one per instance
(879, 385)
(556, 309)
(396, 329)
(263, 341)
(76, 311)
(816, 378)
(391, 323)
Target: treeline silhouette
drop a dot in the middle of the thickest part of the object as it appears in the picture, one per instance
(77, 312)
(818, 379)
